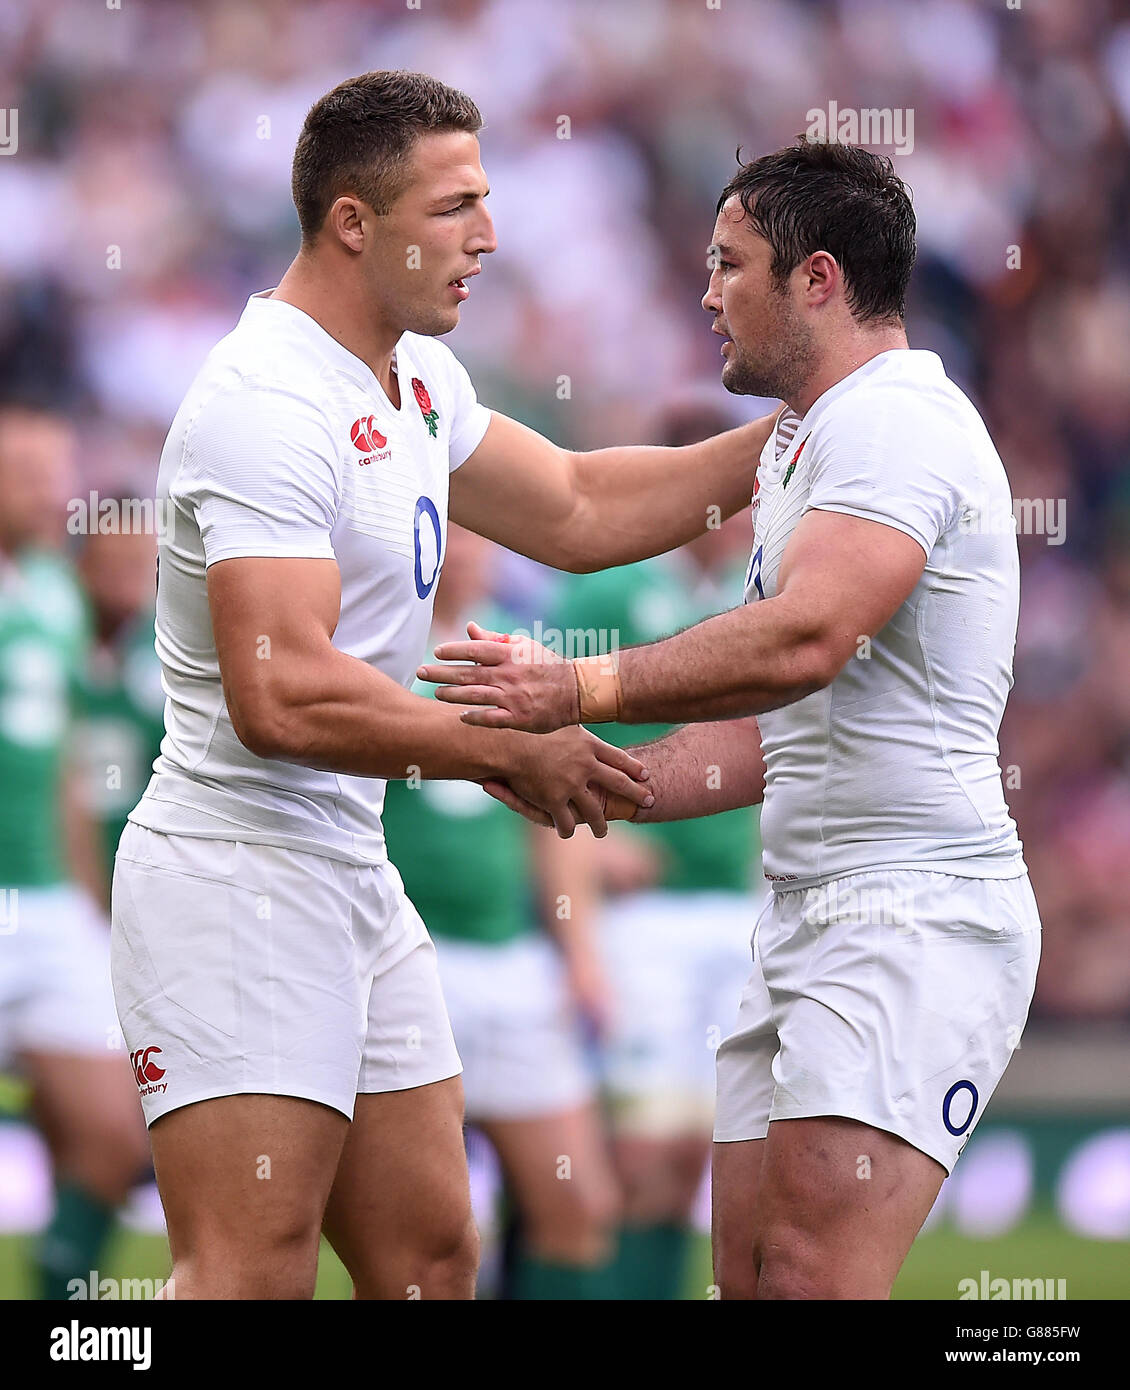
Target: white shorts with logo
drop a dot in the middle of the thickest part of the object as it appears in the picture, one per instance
(244, 968)
(676, 963)
(520, 1040)
(894, 997)
(55, 993)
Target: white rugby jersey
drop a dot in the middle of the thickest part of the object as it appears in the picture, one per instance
(287, 445)
(895, 763)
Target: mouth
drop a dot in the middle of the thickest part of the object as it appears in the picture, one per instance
(460, 286)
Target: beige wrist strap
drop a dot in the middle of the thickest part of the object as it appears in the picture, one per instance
(599, 692)
(617, 807)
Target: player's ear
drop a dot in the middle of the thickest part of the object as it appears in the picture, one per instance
(345, 221)
(821, 274)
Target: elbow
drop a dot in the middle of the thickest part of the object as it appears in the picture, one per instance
(260, 727)
(817, 664)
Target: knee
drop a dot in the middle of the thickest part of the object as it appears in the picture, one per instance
(281, 1263)
(107, 1154)
(444, 1265)
(577, 1228)
(791, 1264)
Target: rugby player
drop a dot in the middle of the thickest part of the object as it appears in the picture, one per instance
(518, 966)
(57, 1022)
(675, 924)
(297, 1068)
(895, 964)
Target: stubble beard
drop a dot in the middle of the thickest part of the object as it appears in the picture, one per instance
(785, 363)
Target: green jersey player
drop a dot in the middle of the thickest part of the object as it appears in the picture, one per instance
(485, 882)
(57, 1019)
(680, 910)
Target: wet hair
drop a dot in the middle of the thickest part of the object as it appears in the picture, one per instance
(837, 198)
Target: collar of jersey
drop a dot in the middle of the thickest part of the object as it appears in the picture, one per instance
(330, 347)
(906, 362)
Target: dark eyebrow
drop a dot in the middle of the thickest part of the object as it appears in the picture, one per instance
(724, 250)
(463, 195)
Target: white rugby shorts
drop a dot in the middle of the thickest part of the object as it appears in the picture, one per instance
(243, 968)
(892, 997)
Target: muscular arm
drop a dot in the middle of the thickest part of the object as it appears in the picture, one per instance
(293, 696)
(590, 511)
(841, 579)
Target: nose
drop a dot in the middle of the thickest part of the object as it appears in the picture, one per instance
(486, 241)
(712, 299)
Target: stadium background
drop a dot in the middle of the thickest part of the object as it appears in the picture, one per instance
(149, 196)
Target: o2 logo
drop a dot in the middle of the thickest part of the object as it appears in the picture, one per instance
(427, 546)
(947, 1104)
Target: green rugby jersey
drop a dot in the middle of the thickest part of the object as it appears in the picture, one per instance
(463, 856)
(641, 603)
(120, 726)
(43, 641)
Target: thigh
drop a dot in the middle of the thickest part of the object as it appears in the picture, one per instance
(735, 1178)
(87, 1109)
(401, 1201)
(557, 1166)
(840, 1201)
(245, 1176)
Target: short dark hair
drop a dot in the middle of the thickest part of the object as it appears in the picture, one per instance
(817, 196)
(356, 139)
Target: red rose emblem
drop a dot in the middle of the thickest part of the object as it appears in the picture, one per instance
(420, 391)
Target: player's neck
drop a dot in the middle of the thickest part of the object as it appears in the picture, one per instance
(317, 289)
(844, 359)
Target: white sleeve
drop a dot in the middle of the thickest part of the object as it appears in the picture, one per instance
(469, 419)
(897, 468)
(261, 474)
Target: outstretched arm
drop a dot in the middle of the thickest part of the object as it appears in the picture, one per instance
(698, 770)
(590, 511)
(841, 579)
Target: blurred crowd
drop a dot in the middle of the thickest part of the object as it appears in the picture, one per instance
(148, 196)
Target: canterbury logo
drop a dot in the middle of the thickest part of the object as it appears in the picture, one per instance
(366, 436)
(144, 1069)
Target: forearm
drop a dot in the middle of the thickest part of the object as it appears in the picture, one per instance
(338, 714)
(749, 660)
(703, 769)
(641, 500)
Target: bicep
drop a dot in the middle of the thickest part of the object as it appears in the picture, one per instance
(517, 488)
(270, 618)
(846, 578)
